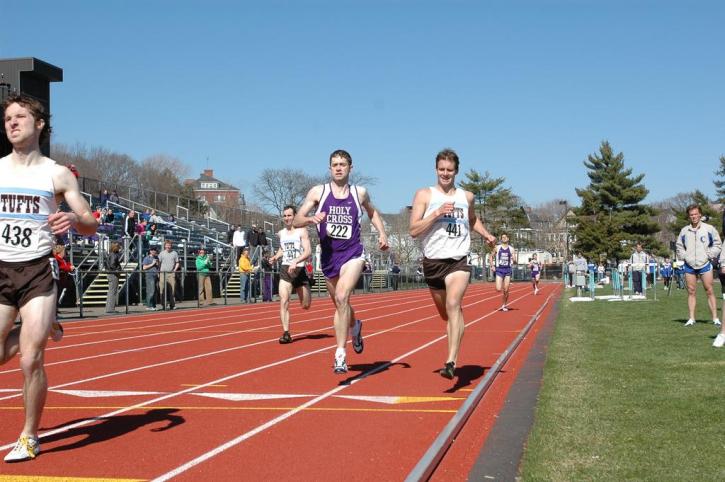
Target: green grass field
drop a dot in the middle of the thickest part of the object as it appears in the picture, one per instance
(629, 393)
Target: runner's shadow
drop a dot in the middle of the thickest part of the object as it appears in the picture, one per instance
(465, 375)
(364, 368)
(318, 336)
(107, 428)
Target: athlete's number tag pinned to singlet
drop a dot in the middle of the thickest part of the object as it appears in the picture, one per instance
(18, 237)
(453, 227)
(289, 252)
(339, 231)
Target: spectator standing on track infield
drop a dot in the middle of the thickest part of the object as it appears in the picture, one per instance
(444, 216)
(294, 250)
(504, 257)
(169, 265)
(339, 209)
(697, 244)
(203, 265)
(150, 267)
(639, 262)
(114, 269)
(666, 272)
(34, 185)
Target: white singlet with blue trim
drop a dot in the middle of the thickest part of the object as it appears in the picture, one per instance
(27, 198)
(291, 244)
(449, 237)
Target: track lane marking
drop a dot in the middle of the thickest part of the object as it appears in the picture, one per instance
(271, 423)
(226, 378)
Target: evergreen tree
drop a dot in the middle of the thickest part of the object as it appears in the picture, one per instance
(720, 183)
(612, 218)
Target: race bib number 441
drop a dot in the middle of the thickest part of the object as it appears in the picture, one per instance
(339, 231)
(17, 236)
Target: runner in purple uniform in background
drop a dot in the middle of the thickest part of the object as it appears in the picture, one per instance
(338, 210)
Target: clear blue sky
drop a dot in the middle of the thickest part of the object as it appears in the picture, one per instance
(524, 90)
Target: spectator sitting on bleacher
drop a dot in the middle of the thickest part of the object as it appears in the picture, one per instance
(145, 215)
(155, 218)
(114, 197)
(129, 224)
(171, 220)
(108, 216)
(97, 213)
(151, 233)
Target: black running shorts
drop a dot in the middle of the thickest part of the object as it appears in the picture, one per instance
(22, 281)
(436, 270)
(297, 279)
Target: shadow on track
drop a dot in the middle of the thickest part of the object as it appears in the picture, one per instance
(366, 369)
(316, 336)
(108, 428)
(465, 375)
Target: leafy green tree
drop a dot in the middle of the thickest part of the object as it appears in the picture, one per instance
(612, 217)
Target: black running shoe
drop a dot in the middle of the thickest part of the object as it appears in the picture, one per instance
(357, 339)
(447, 370)
(285, 338)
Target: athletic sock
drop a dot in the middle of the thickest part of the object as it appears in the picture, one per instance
(340, 352)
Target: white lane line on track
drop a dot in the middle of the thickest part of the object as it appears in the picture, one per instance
(213, 382)
(271, 423)
(167, 322)
(235, 310)
(225, 350)
(191, 340)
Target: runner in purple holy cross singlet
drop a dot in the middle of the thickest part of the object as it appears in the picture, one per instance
(340, 231)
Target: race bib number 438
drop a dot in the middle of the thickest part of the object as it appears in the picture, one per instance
(18, 237)
(339, 231)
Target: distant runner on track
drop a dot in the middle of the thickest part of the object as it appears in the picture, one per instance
(339, 209)
(31, 187)
(504, 257)
(444, 216)
(294, 250)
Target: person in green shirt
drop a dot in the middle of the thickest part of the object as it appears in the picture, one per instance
(203, 265)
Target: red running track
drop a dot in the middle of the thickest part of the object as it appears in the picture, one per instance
(211, 394)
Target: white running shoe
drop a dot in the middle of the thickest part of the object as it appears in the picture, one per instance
(717, 322)
(690, 322)
(536, 291)
(719, 340)
(504, 308)
(25, 448)
(340, 366)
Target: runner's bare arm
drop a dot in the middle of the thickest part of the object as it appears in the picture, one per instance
(306, 247)
(375, 218)
(418, 224)
(81, 218)
(476, 223)
(302, 220)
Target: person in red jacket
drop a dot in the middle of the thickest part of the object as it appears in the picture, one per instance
(64, 266)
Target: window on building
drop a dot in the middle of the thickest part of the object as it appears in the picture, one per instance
(210, 185)
(219, 198)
